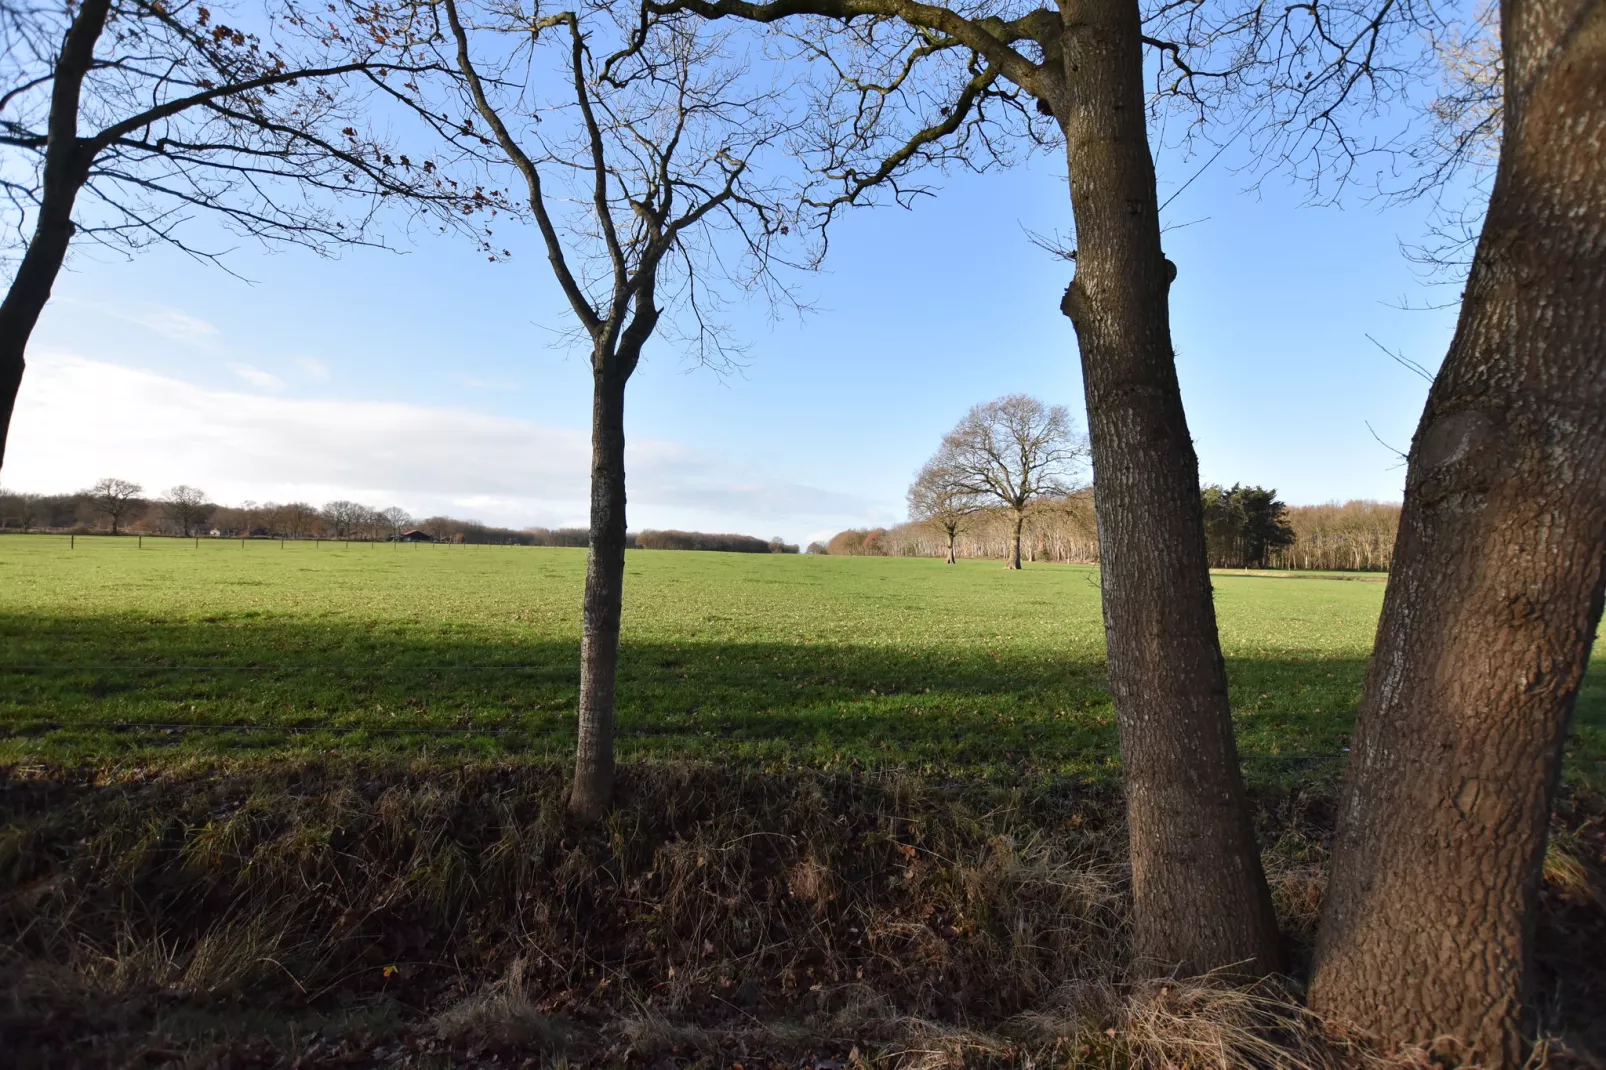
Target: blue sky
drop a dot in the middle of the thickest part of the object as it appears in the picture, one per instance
(427, 378)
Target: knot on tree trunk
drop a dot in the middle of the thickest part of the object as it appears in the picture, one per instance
(1075, 302)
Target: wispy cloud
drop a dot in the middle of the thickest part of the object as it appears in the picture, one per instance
(172, 323)
(169, 322)
(313, 368)
(239, 445)
(476, 383)
(256, 376)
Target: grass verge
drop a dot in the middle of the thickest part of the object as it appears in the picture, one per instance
(392, 914)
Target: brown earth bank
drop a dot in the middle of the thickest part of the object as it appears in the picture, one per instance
(315, 915)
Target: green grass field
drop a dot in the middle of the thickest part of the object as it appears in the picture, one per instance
(112, 651)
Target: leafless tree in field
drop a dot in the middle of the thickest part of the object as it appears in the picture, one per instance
(914, 83)
(343, 518)
(114, 498)
(643, 167)
(296, 519)
(939, 498)
(396, 518)
(1014, 450)
(122, 119)
(185, 506)
(1495, 592)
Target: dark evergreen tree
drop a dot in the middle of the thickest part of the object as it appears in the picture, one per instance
(1244, 525)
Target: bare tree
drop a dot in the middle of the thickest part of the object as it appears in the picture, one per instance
(18, 506)
(185, 114)
(1014, 450)
(343, 518)
(1462, 141)
(643, 183)
(114, 498)
(186, 507)
(938, 497)
(1495, 591)
(396, 518)
(294, 518)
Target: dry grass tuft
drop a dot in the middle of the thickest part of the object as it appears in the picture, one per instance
(502, 1015)
(1568, 873)
(1201, 1024)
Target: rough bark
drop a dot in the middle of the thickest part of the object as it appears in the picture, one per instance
(1495, 591)
(1014, 540)
(592, 792)
(1199, 895)
(951, 535)
(66, 168)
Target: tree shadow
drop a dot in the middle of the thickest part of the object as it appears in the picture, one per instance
(80, 686)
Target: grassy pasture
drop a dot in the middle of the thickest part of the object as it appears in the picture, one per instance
(773, 661)
(304, 806)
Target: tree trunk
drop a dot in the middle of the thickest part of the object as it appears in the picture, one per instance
(1014, 540)
(1200, 898)
(30, 291)
(1495, 589)
(64, 172)
(605, 573)
(951, 547)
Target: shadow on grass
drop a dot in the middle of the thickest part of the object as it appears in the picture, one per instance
(88, 687)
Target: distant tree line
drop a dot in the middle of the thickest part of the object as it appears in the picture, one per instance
(1059, 529)
(1357, 536)
(121, 507)
(1245, 527)
(699, 540)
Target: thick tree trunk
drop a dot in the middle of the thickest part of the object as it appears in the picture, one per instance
(1495, 592)
(951, 547)
(1014, 541)
(605, 573)
(64, 173)
(1200, 898)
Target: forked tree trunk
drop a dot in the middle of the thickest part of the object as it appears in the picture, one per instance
(1014, 540)
(951, 535)
(1495, 591)
(1200, 898)
(592, 793)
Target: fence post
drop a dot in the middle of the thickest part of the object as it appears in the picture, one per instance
(72, 542)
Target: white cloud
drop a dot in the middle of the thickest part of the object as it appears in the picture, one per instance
(313, 368)
(256, 376)
(78, 419)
